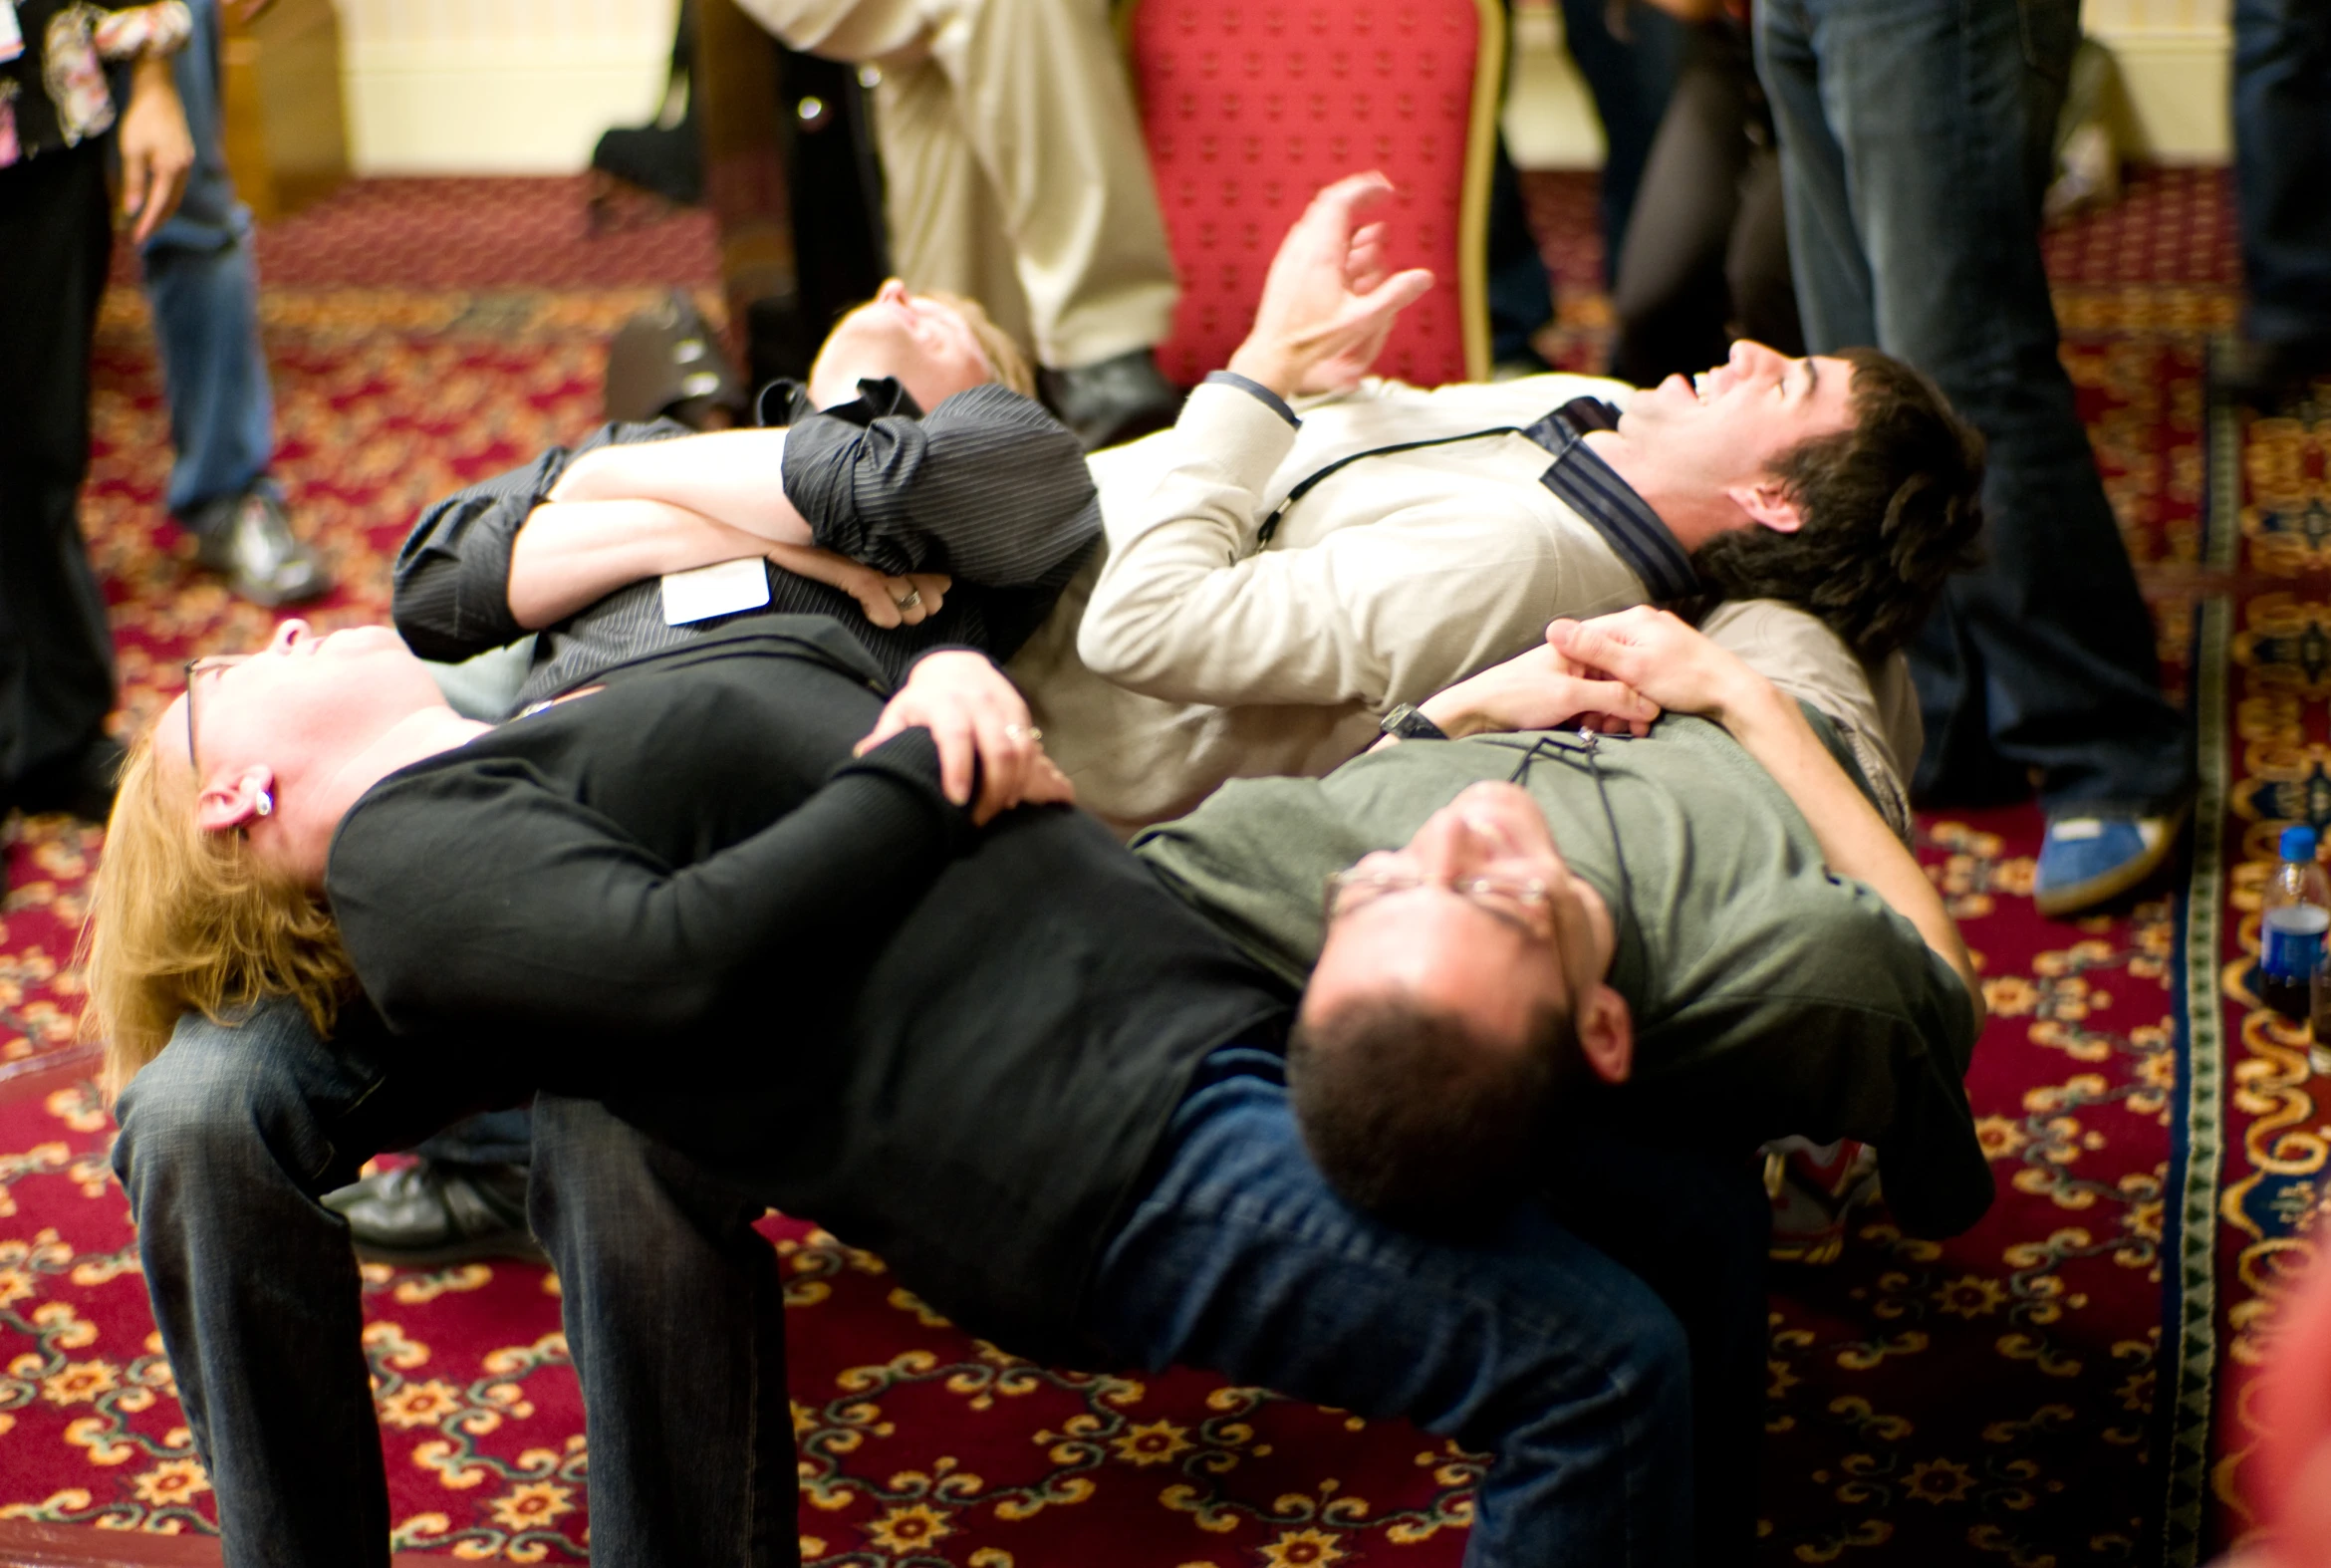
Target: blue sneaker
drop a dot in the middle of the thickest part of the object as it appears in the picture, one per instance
(2086, 859)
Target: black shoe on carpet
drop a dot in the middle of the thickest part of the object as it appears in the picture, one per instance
(437, 1212)
(80, 785)
(2266, 374)
(1112, 401)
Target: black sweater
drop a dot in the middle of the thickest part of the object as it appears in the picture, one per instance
(684, 896)
(988, 487)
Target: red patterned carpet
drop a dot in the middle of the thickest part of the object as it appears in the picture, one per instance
(2036, 1393)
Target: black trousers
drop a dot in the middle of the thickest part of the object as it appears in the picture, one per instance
(1706, 253)
(56, 651)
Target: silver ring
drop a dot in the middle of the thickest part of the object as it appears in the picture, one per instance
(914, 597)
(1022, 732)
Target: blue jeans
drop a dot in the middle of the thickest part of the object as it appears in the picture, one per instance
(202, 277)
(1916, 142)
(227, 1139)
(2282, 155)
(1236, 1259)
(1528, 1344)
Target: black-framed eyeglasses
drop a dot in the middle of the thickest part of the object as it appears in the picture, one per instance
(1522, 901)
(193, 668)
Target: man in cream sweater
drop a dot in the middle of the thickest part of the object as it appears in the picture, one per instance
(1307, 550)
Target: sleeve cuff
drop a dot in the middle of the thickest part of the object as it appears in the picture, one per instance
(1267, 397)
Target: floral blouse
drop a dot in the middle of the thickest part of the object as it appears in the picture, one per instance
(53, 89)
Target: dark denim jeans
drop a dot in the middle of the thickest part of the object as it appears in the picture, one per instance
(2282, 159)
(203, 279)
(226, 1141)
(1915, 144)
(1528, 1344)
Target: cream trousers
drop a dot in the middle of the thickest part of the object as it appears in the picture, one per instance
(1013, 160)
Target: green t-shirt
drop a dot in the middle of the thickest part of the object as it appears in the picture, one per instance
(1769, 997)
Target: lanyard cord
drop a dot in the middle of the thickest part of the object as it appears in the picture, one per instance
(1270, 524)
(1562, 746)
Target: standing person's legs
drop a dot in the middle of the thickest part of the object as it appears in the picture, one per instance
(676, 1318)
(947, 231)
(1669, 292)
(1939, 119)
(56, 649)
(226, 1140)
(2283, 156)
(1835, 293)
(200, 276)
(1042, 99)
(1756, 260)
(1628, 53)
(1528, 1344)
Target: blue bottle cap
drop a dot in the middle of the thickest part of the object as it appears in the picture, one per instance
(2299, 844)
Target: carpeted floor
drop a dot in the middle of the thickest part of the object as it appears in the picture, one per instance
(1993, 1398)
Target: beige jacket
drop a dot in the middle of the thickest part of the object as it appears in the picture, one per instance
(1191, 656)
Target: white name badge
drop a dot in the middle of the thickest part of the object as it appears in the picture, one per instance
(11, 35)
(724, 589)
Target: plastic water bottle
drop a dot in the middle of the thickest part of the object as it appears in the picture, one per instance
(2290, 933)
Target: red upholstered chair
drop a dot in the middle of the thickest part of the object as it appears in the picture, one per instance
(1248, 108)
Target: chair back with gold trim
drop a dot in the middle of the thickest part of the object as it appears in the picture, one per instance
(1249, 107)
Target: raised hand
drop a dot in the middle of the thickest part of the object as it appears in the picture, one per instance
(1331, 296)
(979, 722)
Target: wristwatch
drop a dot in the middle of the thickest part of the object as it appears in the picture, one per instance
(1408, 722)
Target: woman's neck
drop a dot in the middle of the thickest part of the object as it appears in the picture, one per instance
(311, 811)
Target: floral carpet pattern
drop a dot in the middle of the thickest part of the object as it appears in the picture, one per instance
(2038, 1392)
(2255, 1148)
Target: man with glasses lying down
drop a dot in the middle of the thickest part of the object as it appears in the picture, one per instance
(1049, 1080)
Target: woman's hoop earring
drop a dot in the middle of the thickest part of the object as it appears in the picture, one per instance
(266, 806)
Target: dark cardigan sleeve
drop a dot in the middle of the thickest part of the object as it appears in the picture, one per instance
(987, 486)
(450, 593)
(482, 896)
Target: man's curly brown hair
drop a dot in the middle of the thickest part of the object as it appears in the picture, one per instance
(1891, 506)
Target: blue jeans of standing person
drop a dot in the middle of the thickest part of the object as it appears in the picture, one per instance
(1916, 143)
(201, 276)
(1236, 1259)
(2282, 160)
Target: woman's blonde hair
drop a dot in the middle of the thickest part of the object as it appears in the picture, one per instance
(184, 921)
(1011, 366)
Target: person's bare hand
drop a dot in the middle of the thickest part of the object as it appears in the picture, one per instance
(889, 602)
(158, 154)
(981, 724)
(1659, 655)
(1329, 298)
(1541, 688)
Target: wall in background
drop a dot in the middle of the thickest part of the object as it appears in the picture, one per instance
(2172, 59)
(526, 86)
(499, 87)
